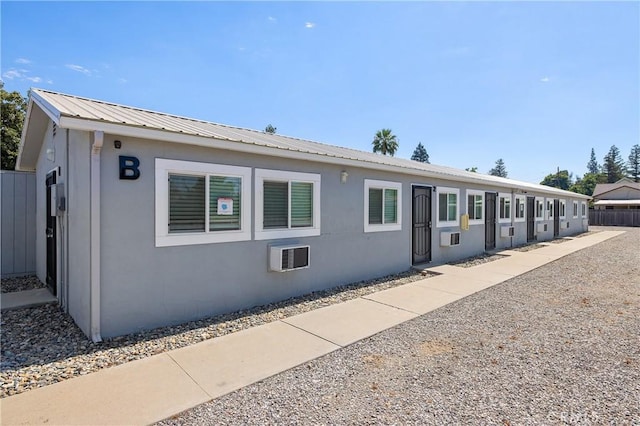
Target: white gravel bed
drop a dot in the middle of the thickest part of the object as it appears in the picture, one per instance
(558, 345)
(559, 240)
(528, 247)
(42, 345)
(29, 282)
(478, 260)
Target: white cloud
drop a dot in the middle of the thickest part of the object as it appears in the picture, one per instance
(22, 61)
(545, 79)
(78, 68)
(49, 81)
(122, 80)
(271, 19)
(309, 25)
(11, 74)
(34, 79)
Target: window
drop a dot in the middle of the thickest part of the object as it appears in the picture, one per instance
(521, 203)
(475, 207)
(201, 203)
(562, 206)
(287, 204)
(549, 209)
(448, 207)
(382, 206)
(504, 207)
(539, 208)
(583, 207)
(575, 209)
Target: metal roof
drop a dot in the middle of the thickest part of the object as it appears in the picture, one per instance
(60, 106)
(617, 203)
(603, 188)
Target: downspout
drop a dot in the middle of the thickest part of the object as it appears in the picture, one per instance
(98, 140)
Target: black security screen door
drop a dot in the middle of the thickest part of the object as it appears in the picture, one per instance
(421, 237)
(51, 237)
(531, 201)
(490, 221)
(556, 218)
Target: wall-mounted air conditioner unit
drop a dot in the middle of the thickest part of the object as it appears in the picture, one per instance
(507, 231)
(585, 222)
(288, 258)
(564, 224)
(448, 239)
(542, 227)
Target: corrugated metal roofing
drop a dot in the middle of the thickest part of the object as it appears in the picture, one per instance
(105, 112)
(603, 188)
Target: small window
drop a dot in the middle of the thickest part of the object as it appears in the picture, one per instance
(520, 208)
(448, 207)
(504, 206)
(539, 208)
(382, 206)
(200, 203)
(287, 204)
(583, 207)
(562, 205)
(550, 208)
(575, 209)
(475, 207)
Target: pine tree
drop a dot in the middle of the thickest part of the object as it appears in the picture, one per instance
(420, 154)
(270, 129)
(499, 169)
(13, 110)
(592, 165)
(613, 165)
(634, 163)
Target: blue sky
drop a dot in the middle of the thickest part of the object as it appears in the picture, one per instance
(538, 83)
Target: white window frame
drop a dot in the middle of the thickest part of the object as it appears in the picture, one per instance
(523, 201)
(539, 201)
(262, 175)
(382, 227)
(447, 190)
(549, 208)
(583, 208)
(164, 167)
(562, 206)
(475, 192)
(575, 210)
(506, 196)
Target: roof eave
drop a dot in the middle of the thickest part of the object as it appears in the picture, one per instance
(33, 129)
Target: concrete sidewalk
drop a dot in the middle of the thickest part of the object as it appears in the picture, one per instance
(154, 388)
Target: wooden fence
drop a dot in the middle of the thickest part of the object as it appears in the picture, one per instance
(629, 217)
(17, 223)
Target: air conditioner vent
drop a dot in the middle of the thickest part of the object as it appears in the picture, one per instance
(288, 258)
(448, 239)
(507, 231)
(542, 227)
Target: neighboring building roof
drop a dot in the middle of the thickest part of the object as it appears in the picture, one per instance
(603, 188)
(73, 112)
(617, 203)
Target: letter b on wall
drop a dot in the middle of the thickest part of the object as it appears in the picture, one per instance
(129, 168)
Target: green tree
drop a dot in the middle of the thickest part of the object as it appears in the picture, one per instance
(587, 184)
(592, 165)
(270, 129)
(13, 110)
(473, 169)
(634, 163)
(385, 142)
(561, 179)
(499, 169)
(420, 154)
(613, 166)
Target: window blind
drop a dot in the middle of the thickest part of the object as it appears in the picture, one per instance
(224, 187)
(375, 206)
(390, 205)
(275, 205)
(301, 204)
(186, 203)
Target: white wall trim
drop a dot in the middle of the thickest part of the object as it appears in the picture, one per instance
(523, 202)
(95, 236)
(383, 227)
(469, 208)
(447, 190)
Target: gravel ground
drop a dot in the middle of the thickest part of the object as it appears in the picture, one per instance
(42, 345)
(528, 247)
(30, 282)
(558, 345)
(478, 260)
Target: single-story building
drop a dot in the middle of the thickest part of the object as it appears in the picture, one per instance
(623, 194)
(146, 219)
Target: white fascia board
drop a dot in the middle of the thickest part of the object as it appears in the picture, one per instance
(241, 146)
(50, 110)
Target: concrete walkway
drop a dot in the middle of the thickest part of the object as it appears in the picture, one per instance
(26, 299)
(154, 388)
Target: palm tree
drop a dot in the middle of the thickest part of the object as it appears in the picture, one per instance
(385, 142)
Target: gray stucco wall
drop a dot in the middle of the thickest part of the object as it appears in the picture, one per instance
(18, 223)
(143, 286)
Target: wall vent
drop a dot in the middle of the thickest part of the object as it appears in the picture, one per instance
(448, 239)
(542, 227)
(288, 258)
